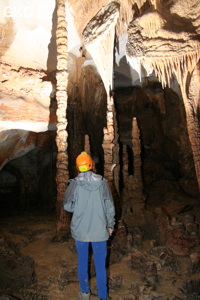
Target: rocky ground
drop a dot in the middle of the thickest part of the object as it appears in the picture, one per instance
(35, 266)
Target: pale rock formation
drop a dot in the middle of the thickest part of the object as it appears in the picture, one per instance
(99, 41)
(162, 45)
(23, 90)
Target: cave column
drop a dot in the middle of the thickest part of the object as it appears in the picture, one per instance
(191, 102)
(125, 166)
(62, 218)
(111, 152)
(138, 198)
(186, 70)
(99, 37)
(87, 144)
(125, 172)
(108, 142)
(133, 208)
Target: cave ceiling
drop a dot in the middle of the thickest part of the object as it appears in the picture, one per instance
(149, 41)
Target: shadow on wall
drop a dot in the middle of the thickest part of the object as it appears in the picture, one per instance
(27, 183)
(165, 148)
(51, 72)
(52, 55)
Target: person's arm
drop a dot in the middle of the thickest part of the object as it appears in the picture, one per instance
(69, 198)
(110, 208)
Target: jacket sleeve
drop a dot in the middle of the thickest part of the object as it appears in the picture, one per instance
(69, 198)
(109, 205)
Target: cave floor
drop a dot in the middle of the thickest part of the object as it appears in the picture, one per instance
(55, 266)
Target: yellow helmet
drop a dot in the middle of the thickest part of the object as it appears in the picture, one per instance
(84, 162)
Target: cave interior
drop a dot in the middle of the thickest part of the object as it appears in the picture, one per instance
(120, 81)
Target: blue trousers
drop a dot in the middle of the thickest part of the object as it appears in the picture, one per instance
(99, 252)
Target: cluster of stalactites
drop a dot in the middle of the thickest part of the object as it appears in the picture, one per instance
(127, 11)
(167, 68)
(178, 65)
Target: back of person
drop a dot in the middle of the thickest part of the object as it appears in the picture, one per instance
(89, 198)
(92, 209)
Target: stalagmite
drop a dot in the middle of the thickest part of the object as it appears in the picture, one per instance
(135, 180)
(126, 197)
(125, 166)
(61, 139)
(87, 149)
(87, 144)
(137, 185)
(99, 37)
(134, 198)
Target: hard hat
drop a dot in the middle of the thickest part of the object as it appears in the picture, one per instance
(84, 162)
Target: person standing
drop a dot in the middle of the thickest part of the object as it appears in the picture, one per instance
(89, 198)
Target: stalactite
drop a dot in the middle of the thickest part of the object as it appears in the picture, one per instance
(178, 66)
(141, 2)
(165, 67)
(125, 16)
(182, 66)
(61, 138)
(99, 42)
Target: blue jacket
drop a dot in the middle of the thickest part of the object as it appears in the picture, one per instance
(89, 198)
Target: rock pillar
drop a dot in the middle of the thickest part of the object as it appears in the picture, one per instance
(62, 218)
(110, 146)
(87, 144)
(138, 199)
(133, 210)
(111, 154)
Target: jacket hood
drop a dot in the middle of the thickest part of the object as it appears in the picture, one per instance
(89, 180)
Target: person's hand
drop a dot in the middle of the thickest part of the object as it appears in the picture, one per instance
(110, 230)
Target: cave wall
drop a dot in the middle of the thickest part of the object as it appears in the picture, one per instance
(166, 151)
(28, 181)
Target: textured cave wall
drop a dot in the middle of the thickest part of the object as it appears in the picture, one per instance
(86, 113)
(28, 181)
(169, 54)
(166, 152)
